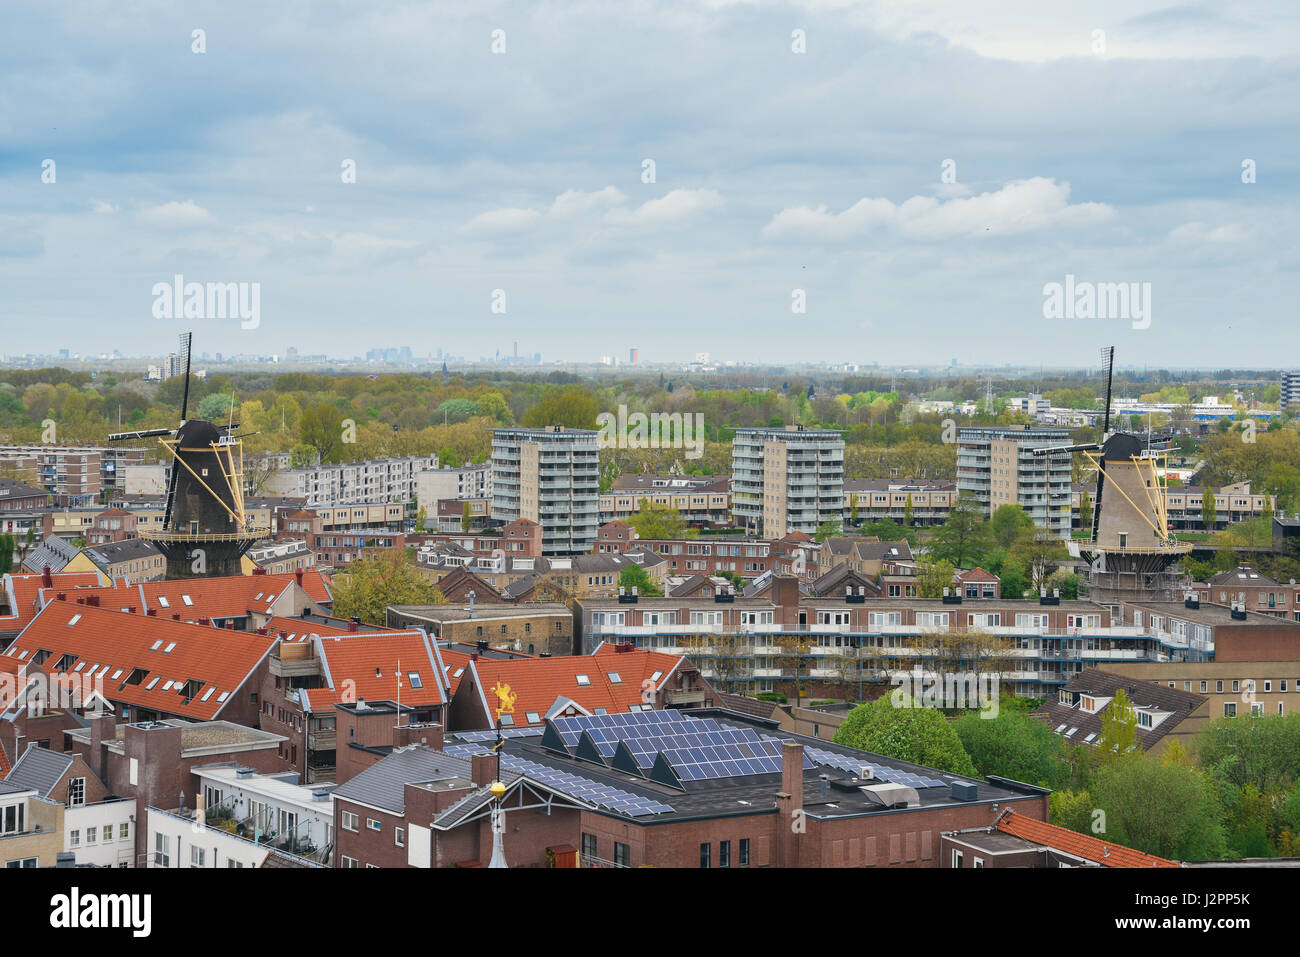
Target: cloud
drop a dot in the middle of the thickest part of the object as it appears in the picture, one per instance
(1196, 233)
(174, 215)
(1019, 207)
(99, 206)
(502, 221)
(673, 207)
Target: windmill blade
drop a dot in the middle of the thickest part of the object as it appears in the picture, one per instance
(1052, 449)
(1108, 354)
(143, 434)
(186, 338)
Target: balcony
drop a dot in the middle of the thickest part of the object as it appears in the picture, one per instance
(294, 668)
(684, 697)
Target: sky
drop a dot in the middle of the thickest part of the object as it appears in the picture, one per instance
(876, 181)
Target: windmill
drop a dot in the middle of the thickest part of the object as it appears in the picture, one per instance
(1131, 551)
(205, 528)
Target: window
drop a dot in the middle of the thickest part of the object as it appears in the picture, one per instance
(108, 833)
(1218, 687)
(349, 862)
(373, 825)
(74, 838)
(977, 862)
(76, 792)
(1230, 709)
(350, 822)
(123, 831)
(583, 681)
(706, 850)
(91, 834)
(620, 854)
(399, 836)
(956, 858)
(196, 855)
(588, 845)
(744, 852)
(724, 853)
(162, 850)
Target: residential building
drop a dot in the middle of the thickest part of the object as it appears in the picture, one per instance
(550, 476)
(74, 475)
(353, 483)
(998, 467)
(880, 499)
(1232, 687)
(1019, 840)
(534, 628)
(1164, 714)
(1290, 397)
(31, 828)
(272, 809)
(787, 479)
(702, 500)
(463, 482)
(1232, 503)
(131, 560)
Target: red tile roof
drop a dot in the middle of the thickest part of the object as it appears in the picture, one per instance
(112, 644)
(13, 675)
(193, 599)
(614, 681)
(298, 629)
(1080, 845)
(364, 665)
(24, 594)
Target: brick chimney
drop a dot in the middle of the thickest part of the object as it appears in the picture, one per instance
(103, 728)
(789, 807)
(785, 593)
(297, 574)
(47, 578)
(484, 770)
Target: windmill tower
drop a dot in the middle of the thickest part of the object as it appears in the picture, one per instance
(1131, 553)
(206, 531)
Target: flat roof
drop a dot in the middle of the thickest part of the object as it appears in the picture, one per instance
(1209, 614)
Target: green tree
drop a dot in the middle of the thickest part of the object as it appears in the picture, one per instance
(1014, 745)
(1167, 810)
(853, 509)
(1008, 522)
(965, 537)
(466, 517)
(907, 511)
(935, 576)
(655, 521)
(321, 427)
(905, 731)
(371, 584)
(634, 576)
(827, 530)
(572, 407)
(1209, 514)
(1085, 511)
(1039, 552)
(1072, 809)
(1118, 741)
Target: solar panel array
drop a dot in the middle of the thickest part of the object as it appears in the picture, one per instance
(633, 805)
(698, 749)
(879, 772)
(492, 735)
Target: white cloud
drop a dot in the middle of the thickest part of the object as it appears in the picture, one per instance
(502, 221)
(1203, 233)
(174, 215)
(673, 207)
(99, 206)
(1018, 207)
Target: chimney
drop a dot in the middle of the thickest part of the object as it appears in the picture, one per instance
(92, 601)
(297, 574)
(176, 616)
(47, 578)
(354, 624)
(130, 609)
(61, 596)
(792, 772)
(102, 728)
(483, 770)
(152, 613)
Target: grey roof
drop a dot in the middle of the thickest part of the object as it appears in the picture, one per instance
(40, 769)
(8, 788)
(54, 552)
(383, 785)
(123, 551)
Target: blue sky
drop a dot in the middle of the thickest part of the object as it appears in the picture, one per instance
(775, 171)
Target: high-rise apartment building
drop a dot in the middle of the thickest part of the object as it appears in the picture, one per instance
(997, 465)
(74, 475)
(550, 476)
(787, 479)
(353, 483)
(1290, 390)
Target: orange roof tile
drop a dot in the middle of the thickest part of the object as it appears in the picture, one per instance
(24, 594)
(111, 645)
(297, 629)
(613, 681)
(1080, 845)
(364, 665)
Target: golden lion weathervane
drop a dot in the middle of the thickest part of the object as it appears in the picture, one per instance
(505, 699)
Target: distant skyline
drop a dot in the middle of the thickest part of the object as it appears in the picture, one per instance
(920, 174)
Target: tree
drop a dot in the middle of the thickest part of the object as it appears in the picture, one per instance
(1118, 741)
(421, 520)
(215, 407)
(965, 537)
(907, 732)
(634, 576)
(907, 511)
(321, 428)
(1209, 514)
(934, 577)
(466, 516)
(1008, 522)
(1014, 745)
(1040, 553)
(1167, 810)
(371, 584)
(657, 522)
(853, 508)
(572, 407)
(1085, 510)
(827, 530)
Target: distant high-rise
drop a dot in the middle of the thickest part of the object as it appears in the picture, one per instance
(631, 357)
(1290, 390)
(787, 479)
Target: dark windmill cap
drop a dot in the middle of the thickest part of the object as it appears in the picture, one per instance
(197, 433)
(1121, 447)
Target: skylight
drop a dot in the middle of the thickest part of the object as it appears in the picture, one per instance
(187, 599)
(150, 685)
(168, 649)
(656, 676)
(415, 679)
(223, 696)
(615, 678)
(156, 645)
(74, 619)
(208, 694)
(163, 602)
(583, 681)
